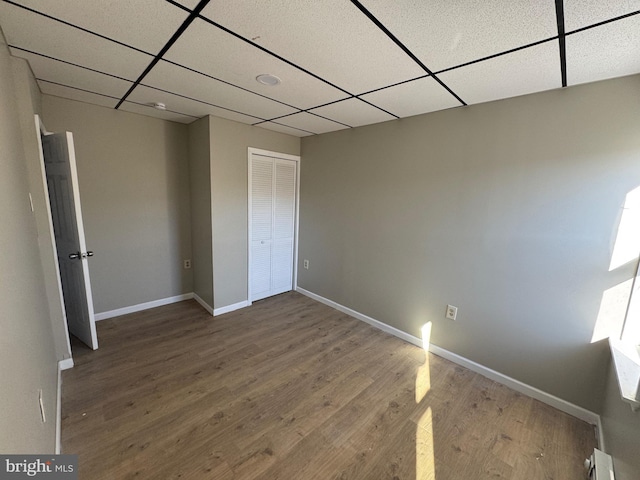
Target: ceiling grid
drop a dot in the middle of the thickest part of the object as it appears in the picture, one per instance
(341, 64)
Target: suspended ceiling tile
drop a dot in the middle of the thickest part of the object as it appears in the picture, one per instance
(413, 98)
(59, 72)
(443, 33)
(147, 95)
(353, 112)
(144, 24)
(331, 38)
(200, 87)
(284, 129)
(190, 4)
(75, 94)
(310, 123)
(42, 35)
(210, 50)
(608, 51)
(581, 13)
(153, 112)
(526, 71)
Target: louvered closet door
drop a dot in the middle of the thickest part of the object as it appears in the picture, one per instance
(261, 225)
(273, 203)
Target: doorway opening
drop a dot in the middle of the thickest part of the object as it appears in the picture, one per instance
(60, 179)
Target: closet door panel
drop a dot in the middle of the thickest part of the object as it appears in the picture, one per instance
(284, 199)
(261, 198)
(282, 266)
(273, 217)
(260, 271)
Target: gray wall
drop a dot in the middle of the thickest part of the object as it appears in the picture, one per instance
(201, 221)
(229, 174)
(133, 172)
(507, 210)
(621, 428)
(27, 349)
(30, 138)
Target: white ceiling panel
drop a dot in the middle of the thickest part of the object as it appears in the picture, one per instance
(147, 95)
(526, 71)
(331, 38)
(72, 76)
(191, 4)
(344, 50)
(444, 33)
(310, 123)
(185, 82)
(284, 129)
(43, 35)
(353, 112)
(608, 51)
(144, 24)
(152, 112)
(210, 50)
(582, 13)
(74, 94)
(413, 98)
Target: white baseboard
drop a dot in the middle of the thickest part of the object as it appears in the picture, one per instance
(533, 392)
(203, 304)
(360, 316)
(231, 308)
(59, 406)
(600, 435)
(143, 306)
(65, 364)
(562, 405)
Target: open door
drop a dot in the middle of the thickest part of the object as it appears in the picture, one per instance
(64, 197)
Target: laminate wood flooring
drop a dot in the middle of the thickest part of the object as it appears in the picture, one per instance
(292, 389)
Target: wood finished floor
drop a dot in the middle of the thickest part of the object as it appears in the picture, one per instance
(291, 389)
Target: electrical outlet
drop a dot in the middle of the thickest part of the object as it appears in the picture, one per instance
(187, 264)
(452, 312)
(305, 264)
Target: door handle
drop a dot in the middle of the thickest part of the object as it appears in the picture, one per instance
(78, 255)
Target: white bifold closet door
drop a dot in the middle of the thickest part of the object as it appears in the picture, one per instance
(273, 214)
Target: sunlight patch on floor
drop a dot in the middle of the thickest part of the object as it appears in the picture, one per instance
(425, 461)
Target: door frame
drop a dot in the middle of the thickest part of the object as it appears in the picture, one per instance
(281, 156)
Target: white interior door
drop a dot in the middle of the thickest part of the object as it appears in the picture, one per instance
(272, 225)
(64, 197)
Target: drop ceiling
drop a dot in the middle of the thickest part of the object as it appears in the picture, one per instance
(341, 63)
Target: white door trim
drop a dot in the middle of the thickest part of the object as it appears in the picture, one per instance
(283, 156)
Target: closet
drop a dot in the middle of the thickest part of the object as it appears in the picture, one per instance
(272, 224)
